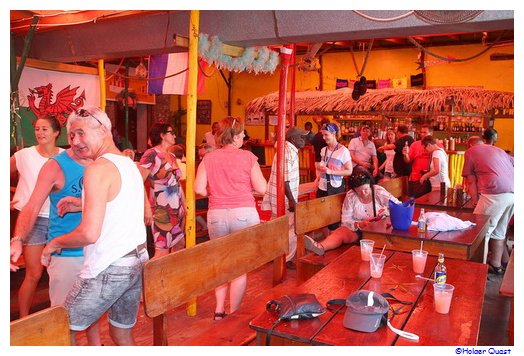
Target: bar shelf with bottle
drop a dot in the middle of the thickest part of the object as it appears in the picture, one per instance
(454, 130)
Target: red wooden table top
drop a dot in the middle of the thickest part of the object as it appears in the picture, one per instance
(434, 200)
(348, 274)
(469, 238)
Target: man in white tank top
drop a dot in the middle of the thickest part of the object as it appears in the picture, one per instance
(112, 231)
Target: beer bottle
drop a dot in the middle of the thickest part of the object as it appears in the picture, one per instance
(440, 270)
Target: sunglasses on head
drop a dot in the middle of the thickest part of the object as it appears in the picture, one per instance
(85, 113)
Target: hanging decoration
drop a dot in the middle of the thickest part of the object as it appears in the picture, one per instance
(253, 59)
(124, 96)
(141, 70)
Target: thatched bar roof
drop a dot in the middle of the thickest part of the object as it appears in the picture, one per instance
(390, 102)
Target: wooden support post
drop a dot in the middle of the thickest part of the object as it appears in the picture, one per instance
(160, 330)
(292, 117)
(190, 136)
(102, 80)
(281, 139)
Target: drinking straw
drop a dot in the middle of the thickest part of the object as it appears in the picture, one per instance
(382, 252)
(421, 243)
(427, 279)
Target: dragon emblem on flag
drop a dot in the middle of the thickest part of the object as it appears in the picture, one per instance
(64, 104)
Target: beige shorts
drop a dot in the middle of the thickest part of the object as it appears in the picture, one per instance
(63, 271)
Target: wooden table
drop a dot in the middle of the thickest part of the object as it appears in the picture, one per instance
(348, 274)
(466, 244)
(434, 200)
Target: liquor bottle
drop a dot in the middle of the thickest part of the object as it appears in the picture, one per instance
(440, 270)
(421, 225)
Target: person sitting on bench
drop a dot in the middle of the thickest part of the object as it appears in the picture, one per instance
(365, 203)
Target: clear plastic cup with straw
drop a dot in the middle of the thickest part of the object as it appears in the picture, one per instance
(376, 263)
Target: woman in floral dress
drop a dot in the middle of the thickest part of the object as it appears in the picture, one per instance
(166, 209)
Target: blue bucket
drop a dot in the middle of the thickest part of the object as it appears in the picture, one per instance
(401, 214)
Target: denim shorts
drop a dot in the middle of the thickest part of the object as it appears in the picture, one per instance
(116, 289)
(38, 234)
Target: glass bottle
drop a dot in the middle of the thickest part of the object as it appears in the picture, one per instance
(441, 270)
(421, 225)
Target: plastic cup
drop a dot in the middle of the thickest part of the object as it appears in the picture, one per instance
(376, 264)
(443, 293)
(366, 248)
(419, 260)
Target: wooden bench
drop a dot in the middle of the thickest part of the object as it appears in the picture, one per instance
(318, 213)
(507, 288)
(181, 276)
(311, 215)
(48, 327)
(398, 187)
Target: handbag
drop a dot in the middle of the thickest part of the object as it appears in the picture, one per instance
(292, 307)
(296, 306)
(417, 189)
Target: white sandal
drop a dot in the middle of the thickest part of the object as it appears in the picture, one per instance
(313, 246)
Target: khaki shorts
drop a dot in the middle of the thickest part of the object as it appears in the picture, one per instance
(63, 272)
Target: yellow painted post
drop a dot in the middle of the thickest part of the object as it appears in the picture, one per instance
(191, 137)
(102, 80)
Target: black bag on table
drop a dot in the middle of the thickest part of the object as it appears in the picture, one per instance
(294, 306)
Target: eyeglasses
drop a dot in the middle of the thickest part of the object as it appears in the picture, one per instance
(85, 113)
(171, 132)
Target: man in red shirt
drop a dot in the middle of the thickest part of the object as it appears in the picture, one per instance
(419, 159)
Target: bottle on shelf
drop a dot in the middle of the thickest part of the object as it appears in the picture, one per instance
(441, 270)
(421, 225)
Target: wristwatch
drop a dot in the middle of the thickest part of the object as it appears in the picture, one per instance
(17, 238)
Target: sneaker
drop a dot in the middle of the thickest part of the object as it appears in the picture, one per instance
(313, 246)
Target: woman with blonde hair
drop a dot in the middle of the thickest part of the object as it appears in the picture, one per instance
(387, 166)
(228, 176)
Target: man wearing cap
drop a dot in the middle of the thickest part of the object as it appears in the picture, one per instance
(295, 140)
(318, 143)
(364, 153)
(112, 231)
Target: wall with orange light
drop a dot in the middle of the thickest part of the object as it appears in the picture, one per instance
(381, 64)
